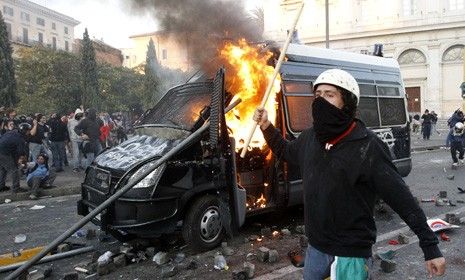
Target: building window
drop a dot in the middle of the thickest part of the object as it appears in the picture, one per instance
(164, 54)
(54, 43)
(410, 7)
(40, 38)
(456, 5)
(25, 17)
(412, 56)
(66, 30)
(454, 53)
(8, 11)
(25, 36)
(66, 46)
(54, 27)
(40, 21)
(8, 30)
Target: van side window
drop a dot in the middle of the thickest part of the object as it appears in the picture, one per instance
(367, 90)
(392, 111)
(298, 87)
(368, 111)
(300, 112)
(388, 91)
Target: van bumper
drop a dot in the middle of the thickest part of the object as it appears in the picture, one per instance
(404, 166)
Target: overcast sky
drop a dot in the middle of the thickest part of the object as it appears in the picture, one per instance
(110, 20)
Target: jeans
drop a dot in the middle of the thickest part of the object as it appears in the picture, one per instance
(34, 150)
(8, 166)
(36, 182)
(318, 265)
(58, 151)
(77, 154)
(426, 131)
(91, 156)
(456, 147)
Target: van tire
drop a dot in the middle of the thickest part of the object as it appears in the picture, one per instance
(202, 228)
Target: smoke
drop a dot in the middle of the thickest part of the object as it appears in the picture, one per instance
(201, 26)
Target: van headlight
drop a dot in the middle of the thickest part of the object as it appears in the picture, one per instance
(150, 180)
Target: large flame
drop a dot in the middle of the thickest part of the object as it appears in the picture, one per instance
(247, 77)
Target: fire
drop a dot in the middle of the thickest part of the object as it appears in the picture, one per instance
(247, 76)
(261, 202)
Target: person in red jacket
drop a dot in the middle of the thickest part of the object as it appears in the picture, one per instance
(344, 167)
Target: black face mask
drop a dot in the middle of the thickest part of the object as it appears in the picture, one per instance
(328, 121)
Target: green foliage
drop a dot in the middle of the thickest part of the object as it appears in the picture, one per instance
(91, 96)
(152, 80)
(8, 96)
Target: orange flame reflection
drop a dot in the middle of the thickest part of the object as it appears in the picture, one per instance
(247, 76)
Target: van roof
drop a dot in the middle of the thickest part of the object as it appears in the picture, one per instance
(303, 53)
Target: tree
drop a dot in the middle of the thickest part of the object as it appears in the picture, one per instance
(90, 88)
(8, 96)
(152, 80)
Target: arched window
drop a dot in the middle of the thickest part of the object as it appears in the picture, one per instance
(454, 53)
(412, 56)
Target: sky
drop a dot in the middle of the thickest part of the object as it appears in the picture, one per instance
(109, 20)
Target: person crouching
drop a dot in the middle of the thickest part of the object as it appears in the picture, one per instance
(39, 175)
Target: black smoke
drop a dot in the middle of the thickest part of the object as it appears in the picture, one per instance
(201, 25)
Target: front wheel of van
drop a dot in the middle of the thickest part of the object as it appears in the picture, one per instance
(202, 227)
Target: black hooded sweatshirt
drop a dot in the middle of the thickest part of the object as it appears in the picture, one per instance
(340, 187)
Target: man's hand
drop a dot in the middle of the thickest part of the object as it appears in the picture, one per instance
(436, 267)
(84, 137)
(34, 122)
(261, 117)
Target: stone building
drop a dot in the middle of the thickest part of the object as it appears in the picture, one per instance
(427, 37)
(30, 24)
(103, 53)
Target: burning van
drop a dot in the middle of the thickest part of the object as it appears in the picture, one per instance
(206, 190)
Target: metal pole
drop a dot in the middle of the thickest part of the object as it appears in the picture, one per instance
(50, 258)
(112, 198)
(327, 22)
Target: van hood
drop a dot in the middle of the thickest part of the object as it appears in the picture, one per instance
(134, 150)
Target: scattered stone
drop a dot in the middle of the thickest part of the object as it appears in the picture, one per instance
(64, 247)
(239, 275)
(273, 256)
(120, 260)
(193, 264)
(452, 219)
(451, 177)
(169, 271)
(253, 237)
(388, 266)
(91, 234)
(20, 238)
(448, 216)
(439, 202)
(150, 252)
(220, 262)
(263, 254)
(125, 249)
(105, 258)
(103, 269)
(71, 276)
(140, 256)
(403, 239)
(303, 241)
(443, 194)
(7, 200)
(179, 257)
(285, 231)
(266, 232)
(300, 229)
(249, 268)
(160, 258)
(37, 275)
(251, 256)
(228, 251)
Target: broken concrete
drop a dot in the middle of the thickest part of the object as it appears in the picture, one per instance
(263, 254)
(249, 268)
(169, 271)
(160, 258)
(273, 256)
(120, 260)
(443, 194)
(266, 232)
(63, 248)
(285, 232)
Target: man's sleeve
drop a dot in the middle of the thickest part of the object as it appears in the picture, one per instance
(391, 187)
(288, 150)
(78, 128)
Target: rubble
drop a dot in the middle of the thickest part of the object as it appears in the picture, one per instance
(160, 258)
(193, 264)
(403, 239)
(266, 232)
(300, 229)
(36, 275)
(220, 262)
(125, 249)
(105, 258)
(388, 266)
(239, 275)
(249, 269)
(451, 177)
(150, 251)
(179, 257)
(263, 254)
(440, 202)
(250, 256)
(64, 247)
(71, 276)
(227, 251)
(443, 194)
(273, 256)
(169, 271)
(253, 237)
(285, 232)
(120, 260)
(20, 238)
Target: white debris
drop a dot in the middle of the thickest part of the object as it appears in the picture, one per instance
(20, 238)
(105, 258)
(37, 207)
(7, 200)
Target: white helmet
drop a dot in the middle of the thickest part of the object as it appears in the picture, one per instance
(459, 126)
(340, 78)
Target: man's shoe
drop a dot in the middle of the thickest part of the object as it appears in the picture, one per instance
(76, 170)
(455, 164)
(461, 162)
(33, 197)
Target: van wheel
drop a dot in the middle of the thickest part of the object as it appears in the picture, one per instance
(202, 227)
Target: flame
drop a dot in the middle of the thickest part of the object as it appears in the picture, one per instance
(247, 76)
(261, 202)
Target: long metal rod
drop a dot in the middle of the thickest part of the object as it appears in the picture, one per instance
(50, 258)
(112, 198)
(327, 22)
(273, 78)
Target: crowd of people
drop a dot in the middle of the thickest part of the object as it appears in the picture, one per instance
(39, 146)
(455, 139)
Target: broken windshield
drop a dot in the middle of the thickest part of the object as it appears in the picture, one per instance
(180, 107)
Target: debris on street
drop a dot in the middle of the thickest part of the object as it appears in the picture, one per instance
(220, 262)
(20, 238)
(403, 239)
(444, 237)
(37, 207)
(388, 266)
(439, 225)
(461, 190)
(393, 242)
(160, 258)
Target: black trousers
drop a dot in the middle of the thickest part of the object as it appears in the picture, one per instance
(454, 148)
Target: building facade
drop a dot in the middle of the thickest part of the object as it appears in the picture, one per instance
(170, 53)
(427, 37)
(31, 24)
(103, 53)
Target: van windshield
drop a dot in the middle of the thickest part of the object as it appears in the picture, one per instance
(180, 107)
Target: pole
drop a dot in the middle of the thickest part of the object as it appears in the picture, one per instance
(273, 78)
(112, 198)
(327, 22)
